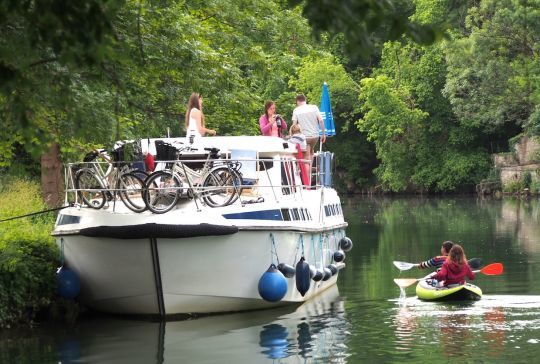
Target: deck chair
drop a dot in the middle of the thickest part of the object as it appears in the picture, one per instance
(248, 159)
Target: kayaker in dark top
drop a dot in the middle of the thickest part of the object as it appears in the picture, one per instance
(437, 262)
(455, 268)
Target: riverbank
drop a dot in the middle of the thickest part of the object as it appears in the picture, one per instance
(28, 256)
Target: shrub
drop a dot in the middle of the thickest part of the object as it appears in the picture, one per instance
(535, 186)
(526, 179)
(28, 255)
(513, 187)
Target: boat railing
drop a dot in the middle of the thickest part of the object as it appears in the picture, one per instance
(104, 183)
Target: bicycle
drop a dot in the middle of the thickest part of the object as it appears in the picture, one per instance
(218, 183)
(93, 183)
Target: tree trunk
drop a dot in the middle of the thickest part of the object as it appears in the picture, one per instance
(51, 176)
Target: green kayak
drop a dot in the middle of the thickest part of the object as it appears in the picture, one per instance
(464, 292)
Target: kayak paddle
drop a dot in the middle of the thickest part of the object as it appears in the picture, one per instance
(474, 263)
(493, 269)
(404, 265)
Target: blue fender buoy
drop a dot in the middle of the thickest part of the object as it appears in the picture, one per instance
(345, 244)
(287, 270)
(333, 268)
(327, 274)
(303, 277)
(272, 285)
(68, 282)
(339, 256)
(70, 351)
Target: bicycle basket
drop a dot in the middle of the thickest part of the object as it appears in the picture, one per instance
(118, 156)
(88, 160)
(128, 153)
(165, 152)
(90, 156)
(133, 151)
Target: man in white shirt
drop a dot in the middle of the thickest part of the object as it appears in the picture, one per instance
(308, 116)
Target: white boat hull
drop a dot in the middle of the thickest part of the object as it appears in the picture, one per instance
(191, 275)
(197, 258)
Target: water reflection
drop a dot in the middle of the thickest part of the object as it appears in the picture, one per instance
(519, 219)
(455, 330)
(273, 339)
(492, 326)
(405, 322)
(314, 330)
(369, 323)
(495, 336)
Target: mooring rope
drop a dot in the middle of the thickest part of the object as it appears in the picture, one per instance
(273, 249)
(36, 213)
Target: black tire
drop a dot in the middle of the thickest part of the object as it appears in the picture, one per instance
(162, 192)
(132, 189)
(238, 182)
(87, 180)
(220, 187)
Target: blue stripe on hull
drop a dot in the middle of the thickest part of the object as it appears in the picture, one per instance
(256, 215)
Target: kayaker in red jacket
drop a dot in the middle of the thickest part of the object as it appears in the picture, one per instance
(455, 269)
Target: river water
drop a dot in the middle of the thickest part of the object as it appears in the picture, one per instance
(363, 318)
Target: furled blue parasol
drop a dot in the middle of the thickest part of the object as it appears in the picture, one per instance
(326, 113)
(329, 130)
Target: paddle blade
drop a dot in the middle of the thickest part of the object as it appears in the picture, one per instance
(493, 269)
(475, 263)
(405, 282)
(403, 265)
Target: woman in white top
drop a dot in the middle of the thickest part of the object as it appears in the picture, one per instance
(195, 128)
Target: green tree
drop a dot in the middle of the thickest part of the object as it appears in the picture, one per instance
(354, 154)
(358, 20)
(494, 71)
(392, 121)
(132, 74)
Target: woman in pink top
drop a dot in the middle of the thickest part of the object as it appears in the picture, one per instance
(272, 124)
(455, 268)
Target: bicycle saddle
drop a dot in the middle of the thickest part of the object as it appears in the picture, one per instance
(213, 151)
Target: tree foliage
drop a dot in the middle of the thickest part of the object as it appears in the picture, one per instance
(89, 73)
(28, 255)
(494, 71)
(391, 121)
(147, 58)
(358, 20)
(354, 155)
(477, 89)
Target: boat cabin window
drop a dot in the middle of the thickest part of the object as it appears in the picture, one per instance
(286, 215)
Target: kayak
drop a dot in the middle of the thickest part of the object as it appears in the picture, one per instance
(462, 292)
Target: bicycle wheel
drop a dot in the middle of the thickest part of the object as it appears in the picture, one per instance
(219, 187)
(238, 183)
(131, 189)
(90, 188)
(162, 191)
